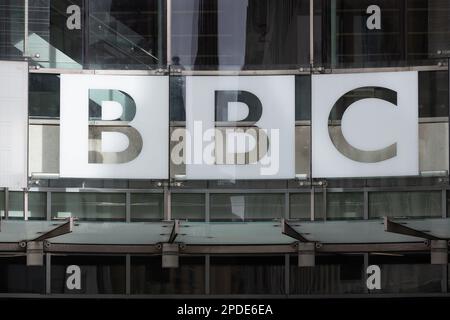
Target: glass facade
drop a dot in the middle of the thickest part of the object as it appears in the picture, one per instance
(302, 38)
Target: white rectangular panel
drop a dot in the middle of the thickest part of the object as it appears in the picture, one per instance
(13, 124)
(143, 154)
(272, 101)
(372, 132)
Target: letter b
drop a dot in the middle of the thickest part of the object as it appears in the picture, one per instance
(105, 136)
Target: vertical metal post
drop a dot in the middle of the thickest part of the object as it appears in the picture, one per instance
(48, 273)
(324, 203)
(444, 202)
(167, 204)
(366, 205)
(287, 205)
(49, 206)
(127, 274)
(25, 30)
(6, 203)
(287, 274)
(169, 31)
(444, 278)
(207, 206)
(333, 32)
(25, 205)
(311, 32)
(128, 207)
(313, 213)
(207, 274)
(160, 33)
(366, 265)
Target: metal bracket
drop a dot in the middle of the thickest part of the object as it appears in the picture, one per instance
(65, 228)
(175, 231)
(394, 227)
(287, 230)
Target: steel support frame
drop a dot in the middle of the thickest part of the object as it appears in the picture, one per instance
(59, 248)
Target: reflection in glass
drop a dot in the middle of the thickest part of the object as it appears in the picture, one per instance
(240, 34)
(345, 205)
(333, 274)
(89, 206)
(99, 274)
(240, 207)
(147, 206)
(300, 206)
(16, 277)
(126, 34)
(55, 33)
(43, 94)
(411, 204)
(433, 94)
(188, 206)
(11, 29)
(408, 273)
(247, 275)
(37, 205)
(148, 277)
(409, 32)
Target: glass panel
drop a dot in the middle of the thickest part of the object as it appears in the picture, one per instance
(126, 34)
(43, 95)
(428, 23)
(37, 205)
(319, 206)
(393, 33)
(433, 147)
(348, 205)
(99, 274)
(147, 206)
(300, 206)
(55, 33)
(240, 34)
(410, 204)
(240, 207)
(333, 274)
(89, 206)
(148, 277)
(247, 275)
(43, 149)
(433, 94)
(188, 206)
(11, 28)
(16, 277)
(351, 43)
(408, 273)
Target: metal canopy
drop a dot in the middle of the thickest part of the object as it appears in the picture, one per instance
(224, 233)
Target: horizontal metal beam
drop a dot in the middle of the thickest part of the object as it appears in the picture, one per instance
(97, 248)
(59, 248)
(394, 227)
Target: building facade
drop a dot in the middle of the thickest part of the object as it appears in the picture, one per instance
(359, 91)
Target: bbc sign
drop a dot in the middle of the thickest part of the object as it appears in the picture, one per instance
(237, 127)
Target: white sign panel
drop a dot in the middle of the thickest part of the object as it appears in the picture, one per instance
(240, 127)
(372, 131)
(114, 127)
(13, 124)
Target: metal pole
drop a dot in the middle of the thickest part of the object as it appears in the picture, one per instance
(25, 205)
(169, 31)
(311, 32)
(25, 31)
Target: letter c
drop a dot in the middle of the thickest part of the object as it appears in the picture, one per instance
(337, 113)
